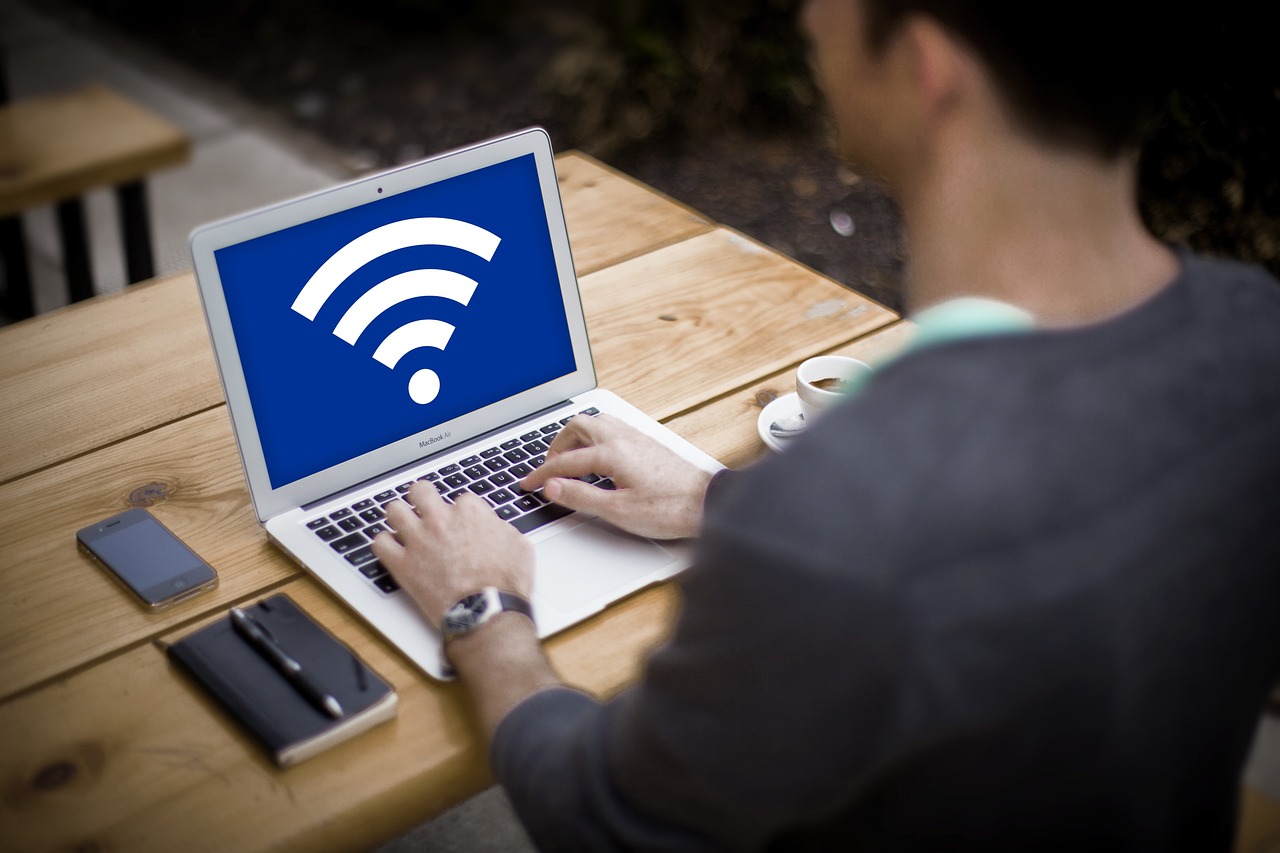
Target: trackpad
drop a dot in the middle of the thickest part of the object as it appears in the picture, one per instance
(593, 560)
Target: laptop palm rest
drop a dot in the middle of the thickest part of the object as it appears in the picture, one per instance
(587, 564)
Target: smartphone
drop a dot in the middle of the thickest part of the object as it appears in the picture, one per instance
(144, 556)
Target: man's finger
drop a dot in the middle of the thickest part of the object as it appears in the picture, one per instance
(573, 463)
(425, 498)
(387, 549)
(578, 495)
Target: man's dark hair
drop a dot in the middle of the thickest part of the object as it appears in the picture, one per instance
(1083, 74)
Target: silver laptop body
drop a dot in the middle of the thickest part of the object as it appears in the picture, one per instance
(390, 329)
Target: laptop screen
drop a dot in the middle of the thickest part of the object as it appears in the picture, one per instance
(365, 326)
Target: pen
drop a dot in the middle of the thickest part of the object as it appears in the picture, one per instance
(257, 636)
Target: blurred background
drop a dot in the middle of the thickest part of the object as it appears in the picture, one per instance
(712, 103)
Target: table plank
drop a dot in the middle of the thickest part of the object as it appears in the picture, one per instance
(57, 146)
(96, 372)
(612, 217)
(726, 427)
(721, 311)
(129, 755)
(60, 610)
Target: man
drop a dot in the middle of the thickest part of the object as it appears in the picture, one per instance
(1021, 593)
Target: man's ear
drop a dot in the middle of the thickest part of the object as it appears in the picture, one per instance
(940, 65)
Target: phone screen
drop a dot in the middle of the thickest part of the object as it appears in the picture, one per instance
(149, 559)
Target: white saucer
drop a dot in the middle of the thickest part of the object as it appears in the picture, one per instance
(786, 406)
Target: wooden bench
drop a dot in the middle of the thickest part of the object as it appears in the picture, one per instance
(56, 148)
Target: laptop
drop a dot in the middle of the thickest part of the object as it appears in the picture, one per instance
(423, 323)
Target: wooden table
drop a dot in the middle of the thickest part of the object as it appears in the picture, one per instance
(116, 402)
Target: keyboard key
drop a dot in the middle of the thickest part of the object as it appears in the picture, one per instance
(537, 518)
(453, 496)
(591, 411)
(387, 584)
(490, 453)
(373, 530)
(317, 523)
(441, 488)
(501, 496)
(530, 436)
(364, 504)
(431, 477)
(506, 512)
(372, 515)
(373, 570)
(342, 513)
(510, 445)
(456, 480)
(590, 478)
(527, 503)
(606, 483)
(520, 471)
(350, 524)
(348, 543)
(383, 497)
(535, 447)
(404, 487)
(497, 463)
(537, 461)
(481, 487)
(450, 469)
(360, 556)
(565, 421)
(327, 533)
(469, 461)
(501, 478)
(516, 455)
(477, 472)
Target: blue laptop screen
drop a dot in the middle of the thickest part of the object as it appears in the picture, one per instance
(369, 325)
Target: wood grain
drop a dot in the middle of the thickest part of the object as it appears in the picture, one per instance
(686, 323)
(62, 145)
(129, 755)
(102, 370)
(612, 217)
(60, 610)
(726, 427)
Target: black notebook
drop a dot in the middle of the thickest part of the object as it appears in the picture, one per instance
(284, 720)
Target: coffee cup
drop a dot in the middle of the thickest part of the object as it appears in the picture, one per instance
(824, 380)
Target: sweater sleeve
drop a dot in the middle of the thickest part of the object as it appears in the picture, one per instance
(772, 702)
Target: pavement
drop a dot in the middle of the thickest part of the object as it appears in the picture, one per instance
(242, 158)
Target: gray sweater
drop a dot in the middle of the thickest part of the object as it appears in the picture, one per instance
(1023, 593)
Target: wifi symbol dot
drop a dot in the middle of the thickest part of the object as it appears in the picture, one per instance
(424, 385)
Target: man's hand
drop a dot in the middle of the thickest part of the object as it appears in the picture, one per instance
(442, 552)
(658, 494)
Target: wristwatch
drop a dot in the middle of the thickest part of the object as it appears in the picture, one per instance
(478, 608)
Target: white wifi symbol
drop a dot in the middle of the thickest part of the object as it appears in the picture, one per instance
(424, 384)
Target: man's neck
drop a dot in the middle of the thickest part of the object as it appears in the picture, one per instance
(1052, 232)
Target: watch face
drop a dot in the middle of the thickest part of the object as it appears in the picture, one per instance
(466, 614)
(478, 608)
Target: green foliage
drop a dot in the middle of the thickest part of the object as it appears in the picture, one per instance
(633, 70)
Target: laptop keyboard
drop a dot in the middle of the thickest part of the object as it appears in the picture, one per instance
(493, 473)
